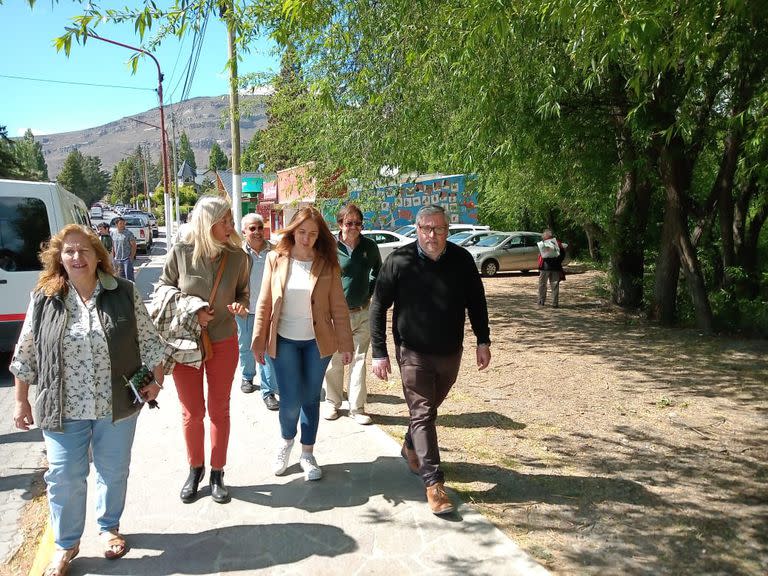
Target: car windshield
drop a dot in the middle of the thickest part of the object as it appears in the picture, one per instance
(459, 236)
(492, 240)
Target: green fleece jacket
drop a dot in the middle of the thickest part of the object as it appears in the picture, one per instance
(359, 270)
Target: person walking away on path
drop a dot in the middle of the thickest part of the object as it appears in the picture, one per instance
(123, 249)
(211, 249)
(84, 334)
(302, 319)
(257, 249)
(551, 256)
(104, 236)
(360, 262)
(430, 283)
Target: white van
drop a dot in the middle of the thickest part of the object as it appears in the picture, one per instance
(29, 213)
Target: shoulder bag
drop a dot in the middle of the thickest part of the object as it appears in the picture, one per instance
(206, 345)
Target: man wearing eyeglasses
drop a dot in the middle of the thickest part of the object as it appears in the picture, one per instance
(257, 247)
(360, 261)
(431, 284)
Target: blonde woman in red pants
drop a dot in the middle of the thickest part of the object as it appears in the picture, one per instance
(192, 265)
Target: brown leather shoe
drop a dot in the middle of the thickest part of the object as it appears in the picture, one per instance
(411, 458)
(438, 500)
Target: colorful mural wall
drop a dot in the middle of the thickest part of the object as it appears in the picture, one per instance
(400, 203)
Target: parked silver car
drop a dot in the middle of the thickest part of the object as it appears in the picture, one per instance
(505, 251)
(469, 238)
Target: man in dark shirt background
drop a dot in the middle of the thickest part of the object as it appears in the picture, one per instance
(430, 283)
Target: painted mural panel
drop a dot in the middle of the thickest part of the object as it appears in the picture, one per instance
(395, 206)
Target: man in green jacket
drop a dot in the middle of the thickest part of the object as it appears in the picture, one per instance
(360, 262)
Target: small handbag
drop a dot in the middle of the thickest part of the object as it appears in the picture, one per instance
(206, 345)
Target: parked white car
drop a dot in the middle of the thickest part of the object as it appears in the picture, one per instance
(409, 230)
(139, 225)
(386, 240)
(29, 213)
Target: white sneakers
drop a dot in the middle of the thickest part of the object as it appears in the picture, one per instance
(311, 470)
(360, 417)
(330, 412)
(307, 462)
(281, 461)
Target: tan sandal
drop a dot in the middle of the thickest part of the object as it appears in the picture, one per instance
(59, 564)
(114, 544)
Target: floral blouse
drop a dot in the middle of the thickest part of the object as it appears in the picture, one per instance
(87, 373)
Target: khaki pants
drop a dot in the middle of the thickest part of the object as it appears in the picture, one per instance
(334, 376)
(554, 282)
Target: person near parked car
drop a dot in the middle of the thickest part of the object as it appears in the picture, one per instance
(302, 319)
(211, 249)
(123, 249)
(105, 236)
(551, 256)
(85, 332)
(360, 262)
(257, 248)
(431, 283)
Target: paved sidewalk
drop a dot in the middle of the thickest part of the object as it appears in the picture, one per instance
(368, 515)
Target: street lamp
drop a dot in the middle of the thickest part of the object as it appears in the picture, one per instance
(163, 136)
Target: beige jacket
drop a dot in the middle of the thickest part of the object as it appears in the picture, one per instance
(330, 315)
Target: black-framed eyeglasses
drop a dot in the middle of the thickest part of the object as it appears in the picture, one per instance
(255, 227)
(353, 223)
(438, 230)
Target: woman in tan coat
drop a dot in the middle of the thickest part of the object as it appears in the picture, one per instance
(302, 319)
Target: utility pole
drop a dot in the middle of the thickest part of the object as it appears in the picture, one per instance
(227, 13)
(163, 136)
(175, 168)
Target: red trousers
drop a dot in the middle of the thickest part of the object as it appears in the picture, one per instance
(219, 373)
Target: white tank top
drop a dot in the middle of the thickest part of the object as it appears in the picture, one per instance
(296, 314)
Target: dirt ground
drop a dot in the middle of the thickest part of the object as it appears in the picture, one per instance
(605, 445)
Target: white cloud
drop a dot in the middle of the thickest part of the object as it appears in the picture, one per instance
(35, 131)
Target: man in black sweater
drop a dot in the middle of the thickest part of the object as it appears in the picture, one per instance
(431, 283)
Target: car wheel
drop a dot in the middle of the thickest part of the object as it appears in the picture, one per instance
(490, 268)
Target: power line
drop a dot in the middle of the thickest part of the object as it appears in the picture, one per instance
(76, 83)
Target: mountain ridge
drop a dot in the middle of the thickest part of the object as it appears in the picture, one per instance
(204, 119)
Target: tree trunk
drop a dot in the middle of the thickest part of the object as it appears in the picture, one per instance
(676, 177)
(630, 218)
(664, 304)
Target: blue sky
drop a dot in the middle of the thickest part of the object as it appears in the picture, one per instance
(46, 102)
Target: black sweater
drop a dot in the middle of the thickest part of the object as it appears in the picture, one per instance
(430, 299)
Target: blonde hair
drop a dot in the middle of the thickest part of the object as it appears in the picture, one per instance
(207, 212)
(53, 278)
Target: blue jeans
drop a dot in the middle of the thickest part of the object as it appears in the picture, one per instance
(68, 472)
(300, 370)
(248, 361)
(124, 268)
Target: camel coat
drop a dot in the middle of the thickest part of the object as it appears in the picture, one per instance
(330, 314)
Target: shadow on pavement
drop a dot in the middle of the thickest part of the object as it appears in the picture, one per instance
(221, 550)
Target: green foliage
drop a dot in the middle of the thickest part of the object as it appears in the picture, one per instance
(29, 154)
(9, 164)
(217, 160)
(187, 195)
(185, 152)
(251, 160)
(72, 177)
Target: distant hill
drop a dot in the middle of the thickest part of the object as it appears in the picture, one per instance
(205, 120)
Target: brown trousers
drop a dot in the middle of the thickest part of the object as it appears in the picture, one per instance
(427, 379)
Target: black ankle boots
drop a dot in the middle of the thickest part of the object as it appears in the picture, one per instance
(189, 490)
(219, 492)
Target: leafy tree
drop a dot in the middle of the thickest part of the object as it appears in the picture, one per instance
(127, 180)
(29, 154)
(185, 152)
(96, 179)
(9, 164)
(72, 177)
(252, 157)
(217, 160)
